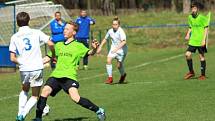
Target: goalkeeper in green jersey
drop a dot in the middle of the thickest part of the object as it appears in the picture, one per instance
(196, 35)
(64, 75)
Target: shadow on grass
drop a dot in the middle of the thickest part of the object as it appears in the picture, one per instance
(72, 119)
(119, 83)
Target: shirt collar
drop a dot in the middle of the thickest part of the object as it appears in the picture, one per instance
(24, 28)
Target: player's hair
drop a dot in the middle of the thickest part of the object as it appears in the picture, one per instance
(58, 12)
(22, 19)
(75, 26)
(83, 10)
(195, 4)
(116, 18)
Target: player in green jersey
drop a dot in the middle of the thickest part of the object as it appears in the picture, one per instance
(64, 76)
(197, 33)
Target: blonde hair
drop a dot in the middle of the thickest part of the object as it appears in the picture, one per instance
(75, 26)
(116, 18)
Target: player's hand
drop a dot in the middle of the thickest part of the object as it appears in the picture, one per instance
(46, 59)
(60, 22)
(95, 44)
(187, 37)
(54, 60)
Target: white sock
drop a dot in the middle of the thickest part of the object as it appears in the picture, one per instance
(109, 70)
(29, 105)
(122, 70)
(23, 97)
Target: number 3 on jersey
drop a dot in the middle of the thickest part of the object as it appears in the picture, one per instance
(28, 45)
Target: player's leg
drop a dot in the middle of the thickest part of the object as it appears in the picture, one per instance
(36, 81)
(109, 69)
(32, 100)
(71, 87)
(51, 87)
(120, 65)
(189, 60)
(85, 59)
(121, 69)
(203, 63)
(84, 102)
(23, 96)
(46, 91)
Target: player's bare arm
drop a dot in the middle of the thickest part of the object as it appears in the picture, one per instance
(123, 42)
(204, 37)
(13, 58)
(187, 37)
(101, 45)
(51, 47)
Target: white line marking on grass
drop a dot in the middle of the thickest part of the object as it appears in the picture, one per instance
(134, 67)
(137, 66)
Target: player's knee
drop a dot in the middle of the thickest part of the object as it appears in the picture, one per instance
(73, 93)
(109, 61)
(46, 91)
(26, 87)
(202, 57)
(119, 65)
(75, 98)
(188, 55)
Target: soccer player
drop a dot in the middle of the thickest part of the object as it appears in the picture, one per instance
(25, 51)
(197, 32)
(117, 51)
(57, 26)
(64, 76)
(82, 35)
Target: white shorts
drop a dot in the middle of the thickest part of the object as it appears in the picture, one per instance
(35, 78)
(119, 56)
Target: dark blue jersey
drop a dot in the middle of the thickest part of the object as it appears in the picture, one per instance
(84, 27)
(57, 31)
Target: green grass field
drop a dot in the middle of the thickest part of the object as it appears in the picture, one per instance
(156, 90)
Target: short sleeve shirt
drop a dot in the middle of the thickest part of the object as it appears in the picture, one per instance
(68, 56)
(197, 26)
(26, 45)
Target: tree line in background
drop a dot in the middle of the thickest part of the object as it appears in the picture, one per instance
(109, 7)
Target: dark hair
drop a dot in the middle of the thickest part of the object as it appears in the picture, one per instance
(195, 4)
(58, 12)
(116, 18)
(22, 19)
(75, 26)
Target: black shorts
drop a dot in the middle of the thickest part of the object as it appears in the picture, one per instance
(61, 83)
(193, 49)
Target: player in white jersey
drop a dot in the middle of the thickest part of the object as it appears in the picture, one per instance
(117, 51)
(25, 51)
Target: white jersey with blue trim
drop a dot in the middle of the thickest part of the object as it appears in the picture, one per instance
(26, 45)
(116, 38)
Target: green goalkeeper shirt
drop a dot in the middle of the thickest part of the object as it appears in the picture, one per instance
(197, 26)
(68, 56)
